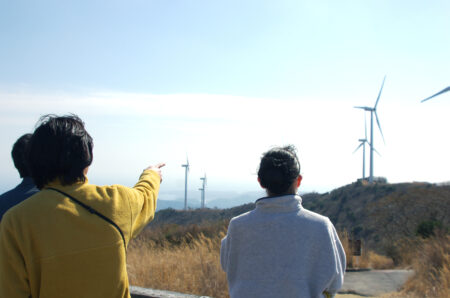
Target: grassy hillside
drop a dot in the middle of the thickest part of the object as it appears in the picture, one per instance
(383, 214)
(379, 214)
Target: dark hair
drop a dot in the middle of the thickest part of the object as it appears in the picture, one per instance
(278, 169)
(60, 148)
(19, 155)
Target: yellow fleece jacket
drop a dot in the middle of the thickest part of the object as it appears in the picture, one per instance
(52, 247)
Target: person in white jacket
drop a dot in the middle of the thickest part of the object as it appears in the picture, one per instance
(280, 249)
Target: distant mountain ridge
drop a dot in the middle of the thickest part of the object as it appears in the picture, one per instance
(214, 199)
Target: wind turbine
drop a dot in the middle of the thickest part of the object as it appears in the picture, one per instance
(203, 191)
(186, 170)
(439, 93)
(373, 111)
(363, 145)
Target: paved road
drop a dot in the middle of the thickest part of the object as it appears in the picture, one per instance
(374, 282)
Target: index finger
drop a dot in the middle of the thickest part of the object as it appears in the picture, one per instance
(160, 165)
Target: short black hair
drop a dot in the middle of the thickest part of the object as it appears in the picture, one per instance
(19, 155)
(278, 169)
(60, 148)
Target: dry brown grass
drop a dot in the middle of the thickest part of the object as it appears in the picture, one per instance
(192, 266)
(183, 259)
(377, 261)
(368, 259)
(432, 269)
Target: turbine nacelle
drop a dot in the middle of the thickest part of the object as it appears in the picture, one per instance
(186, 165)
(369, 109)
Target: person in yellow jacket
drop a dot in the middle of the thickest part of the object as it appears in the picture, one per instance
(69, 239)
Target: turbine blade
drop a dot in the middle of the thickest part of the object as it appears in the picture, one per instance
(376, 151)
(359, 107)
(440, 92)
(379, 94)
(358, 148)
(379, 126)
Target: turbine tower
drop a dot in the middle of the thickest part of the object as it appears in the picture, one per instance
(439, 93)
(186, 170)
(203, 191)
(363, 145)
(373, 111)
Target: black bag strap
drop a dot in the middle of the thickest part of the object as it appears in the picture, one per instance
(93, 211)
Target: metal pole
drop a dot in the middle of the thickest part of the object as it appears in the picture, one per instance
(203, 197)
(371, 146)
(203, 191)
(185, 187)
(364, 160)
(186, 166)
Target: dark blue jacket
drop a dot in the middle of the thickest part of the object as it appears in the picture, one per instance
(16, 195)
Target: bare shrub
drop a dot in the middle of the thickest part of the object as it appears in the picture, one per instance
(377, 261)
(432, 268)
(344, 237)
(368, 258)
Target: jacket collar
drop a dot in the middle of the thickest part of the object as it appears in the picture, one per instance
(58, 185)
(286, 203)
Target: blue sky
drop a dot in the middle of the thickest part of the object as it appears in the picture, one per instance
(222, 81)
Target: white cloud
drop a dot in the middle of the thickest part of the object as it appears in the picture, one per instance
(225, 135)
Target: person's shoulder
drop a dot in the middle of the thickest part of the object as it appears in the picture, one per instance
(104, 190)
(11, 193)
(314, 217)
(242, 218)
(101, 194)
(7, 194)
(23, 209)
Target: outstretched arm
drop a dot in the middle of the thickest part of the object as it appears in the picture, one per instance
(143, 200)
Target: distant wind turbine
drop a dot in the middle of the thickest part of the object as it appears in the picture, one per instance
(363, 145)
(203, 189)
(186, 170)
(439, 93)
(373, 111)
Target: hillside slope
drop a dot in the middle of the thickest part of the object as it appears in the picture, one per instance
(379, 214)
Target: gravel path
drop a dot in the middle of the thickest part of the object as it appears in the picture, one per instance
(374, 282)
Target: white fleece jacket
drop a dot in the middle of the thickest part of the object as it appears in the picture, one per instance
(280, 249)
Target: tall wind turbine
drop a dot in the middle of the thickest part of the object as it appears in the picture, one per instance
(373, 111)
(363, 145)
(186, 170)
(439, 93)
(203, 191)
